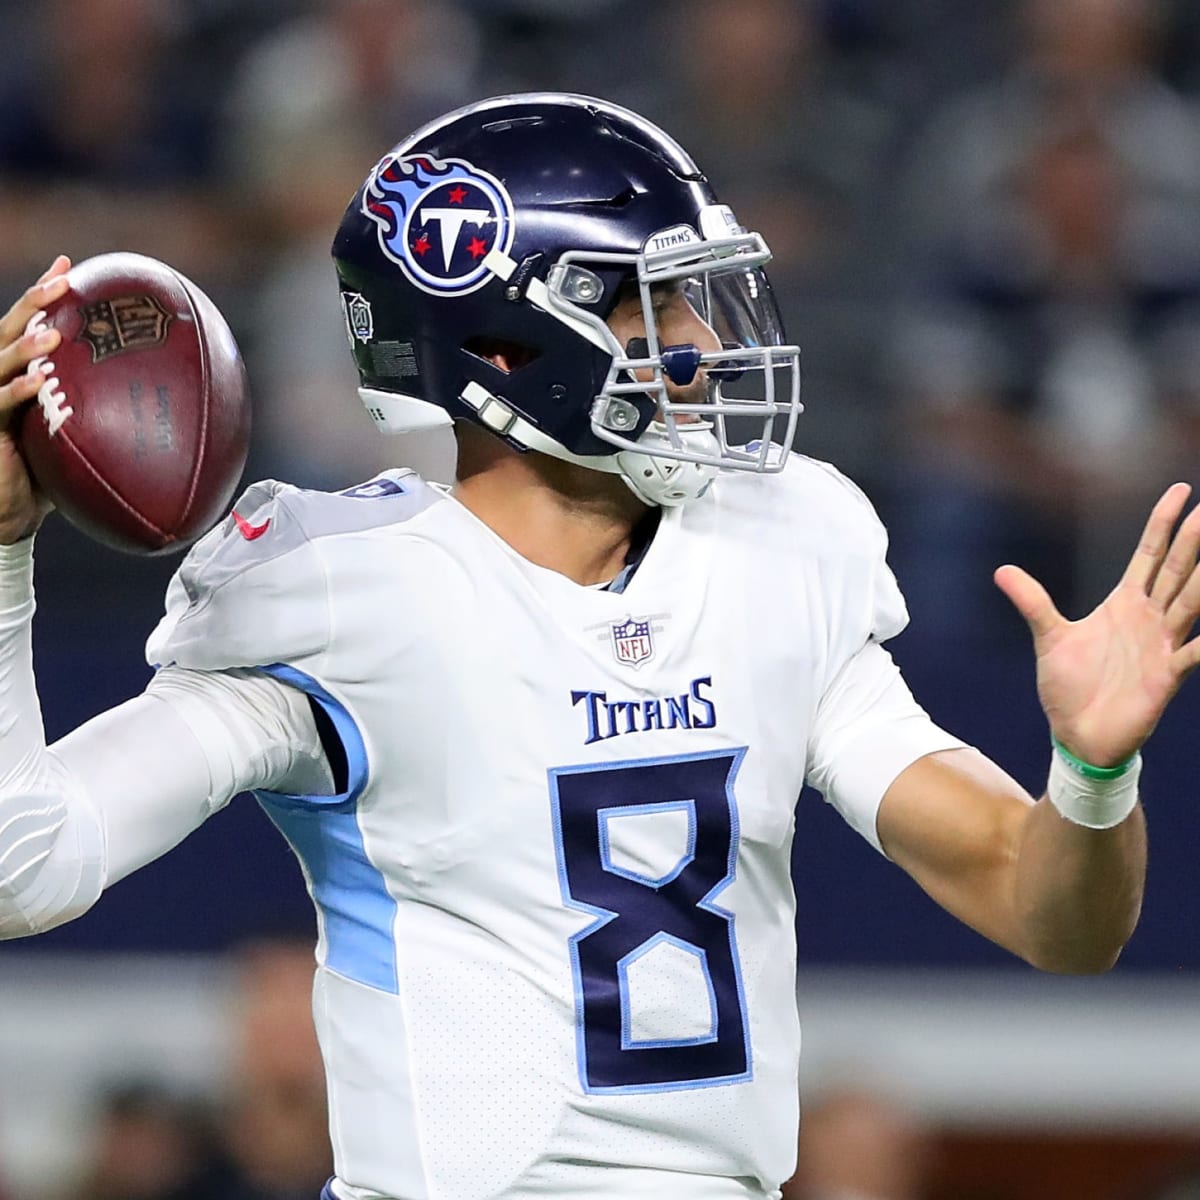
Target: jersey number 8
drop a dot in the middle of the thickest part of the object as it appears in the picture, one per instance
(639, 907)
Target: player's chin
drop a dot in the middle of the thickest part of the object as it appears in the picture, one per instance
(698, 392)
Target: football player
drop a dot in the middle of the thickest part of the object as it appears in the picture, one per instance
(537, 738)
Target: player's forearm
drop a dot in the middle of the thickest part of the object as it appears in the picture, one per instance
(73, 816)
(50, 848)
(1060, 895)
(1078, 890)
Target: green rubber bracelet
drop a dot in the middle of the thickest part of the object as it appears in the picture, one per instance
(1087, 770)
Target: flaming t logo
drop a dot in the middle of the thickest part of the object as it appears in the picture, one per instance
(438, 220)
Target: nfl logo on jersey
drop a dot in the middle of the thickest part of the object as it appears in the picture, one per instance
(632, 642)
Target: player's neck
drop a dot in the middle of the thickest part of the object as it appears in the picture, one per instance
(563, 517)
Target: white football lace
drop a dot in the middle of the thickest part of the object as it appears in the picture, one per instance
(51, 398)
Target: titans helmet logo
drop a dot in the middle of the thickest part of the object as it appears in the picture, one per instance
(438, 219)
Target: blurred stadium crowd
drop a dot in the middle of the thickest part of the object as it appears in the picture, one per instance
(264, 1136)
(986, 221)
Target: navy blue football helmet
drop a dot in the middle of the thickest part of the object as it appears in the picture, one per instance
(515, 224)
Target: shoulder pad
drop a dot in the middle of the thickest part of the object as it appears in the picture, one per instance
(828, 514)
(252, 591)
(843, 503)
(826, 483)
(812, 501)
(857, 527)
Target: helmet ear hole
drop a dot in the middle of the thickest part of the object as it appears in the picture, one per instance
(504, 355)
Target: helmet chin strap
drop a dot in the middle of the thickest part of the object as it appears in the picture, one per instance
(665, 482)
(668, 482)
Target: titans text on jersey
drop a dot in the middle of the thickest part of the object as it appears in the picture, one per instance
(610, 718)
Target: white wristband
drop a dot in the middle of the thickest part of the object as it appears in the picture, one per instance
(1096, 803)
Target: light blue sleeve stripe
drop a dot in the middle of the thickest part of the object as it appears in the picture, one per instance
(357, 911)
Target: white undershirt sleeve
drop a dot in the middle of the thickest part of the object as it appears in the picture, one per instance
(159, 765)
(868, 728)
(125, 787)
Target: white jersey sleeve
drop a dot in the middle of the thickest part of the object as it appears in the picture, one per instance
(867, 727)
(131, 783)
(156, 767)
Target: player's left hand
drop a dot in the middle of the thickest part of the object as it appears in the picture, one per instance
(1105, 680)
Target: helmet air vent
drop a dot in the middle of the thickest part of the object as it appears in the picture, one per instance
(512, 123)
(624, 197)
(503, 354)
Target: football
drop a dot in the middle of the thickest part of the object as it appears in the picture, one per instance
(139, 434)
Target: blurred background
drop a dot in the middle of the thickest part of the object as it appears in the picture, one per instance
(986, 220)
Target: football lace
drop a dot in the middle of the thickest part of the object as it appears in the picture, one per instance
(50, 397)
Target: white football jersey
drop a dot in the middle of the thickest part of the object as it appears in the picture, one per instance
(556, 947)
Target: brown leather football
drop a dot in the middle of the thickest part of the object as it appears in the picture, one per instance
(140, 433)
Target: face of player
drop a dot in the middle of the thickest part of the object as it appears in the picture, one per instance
(678, 323)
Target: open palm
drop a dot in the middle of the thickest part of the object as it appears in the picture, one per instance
(1105, 680)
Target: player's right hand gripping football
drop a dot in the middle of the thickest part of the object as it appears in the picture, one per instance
(22, 506)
